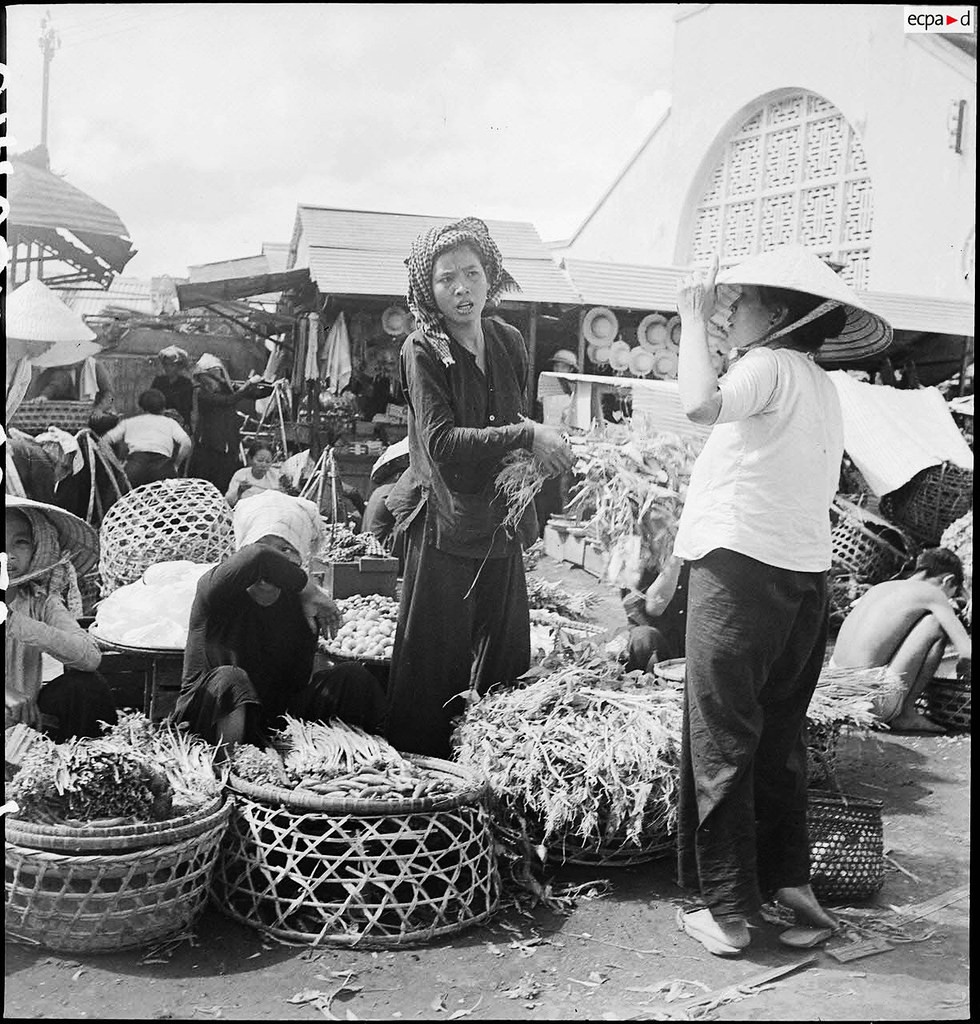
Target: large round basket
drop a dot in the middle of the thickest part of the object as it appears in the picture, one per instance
(948, 703)
(521, 830)
(369, 873)
(847, 857)
(865, 544)
(931, 501)
(34, 417)
(165, 521)
(104, 902)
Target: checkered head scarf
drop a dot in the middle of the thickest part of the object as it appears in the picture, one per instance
(426, 249)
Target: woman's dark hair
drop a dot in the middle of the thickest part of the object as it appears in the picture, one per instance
(938, 562)
(102, 422)
(152, 401)
(812, 335)
(260, 446)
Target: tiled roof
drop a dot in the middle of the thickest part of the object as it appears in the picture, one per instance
(358, 252)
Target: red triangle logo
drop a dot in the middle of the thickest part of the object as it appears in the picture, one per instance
(951, 21)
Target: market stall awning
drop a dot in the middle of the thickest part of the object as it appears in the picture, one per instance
(206, 293)
(68, 225)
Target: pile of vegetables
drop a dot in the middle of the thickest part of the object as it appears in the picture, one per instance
(137, 772)
(337, 760)
(343, 545)
(581, 751)
(553, 597)
(367, 630)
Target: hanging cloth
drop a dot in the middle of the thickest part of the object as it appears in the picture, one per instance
(88, 382)
(314, 339)
(18, 382)
(337, 360)
(300, 336)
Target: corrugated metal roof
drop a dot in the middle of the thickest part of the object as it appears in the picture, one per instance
(125, 292)
(359, 252)
(39, 198)
(349, 272)
(632, 286)
(277, 253)
(243, 266)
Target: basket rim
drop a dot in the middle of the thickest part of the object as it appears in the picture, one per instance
(293, 800)
(77, 842)
(828, 797)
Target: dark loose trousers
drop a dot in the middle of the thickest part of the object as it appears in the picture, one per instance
(447, 642)
(148, 467)
(756, 637)
(75, 704)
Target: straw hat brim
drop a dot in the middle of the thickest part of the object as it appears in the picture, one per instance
(395, 321)
(641, 362)
(75, 535)
(590, 325)
(602, 354)
(36, 313)
(797, 269)
(394, 452)
(665, 364)
(618, 359)
(651, 332)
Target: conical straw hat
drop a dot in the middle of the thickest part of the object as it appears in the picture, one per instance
(797, 269)
(75, 535)
(36, 313)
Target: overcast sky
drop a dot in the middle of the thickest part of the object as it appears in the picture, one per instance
(204, 125)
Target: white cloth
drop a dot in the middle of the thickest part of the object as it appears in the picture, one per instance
(151, 433)
(296, 467)
(18, 381)
(336, 357)
(295, 520)
(892, 434)
(88, 382)
(68, 445)
(269, 482)
(765, 479)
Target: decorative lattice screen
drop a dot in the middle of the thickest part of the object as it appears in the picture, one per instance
(794, 172)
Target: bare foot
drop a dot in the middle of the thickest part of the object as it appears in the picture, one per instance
(914, 722)
(802, 901)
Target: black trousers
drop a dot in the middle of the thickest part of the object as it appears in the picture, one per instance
(756, 637)
(74, 704)
(148, 467)
(447, 642)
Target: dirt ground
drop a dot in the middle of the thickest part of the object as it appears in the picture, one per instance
(614, 957)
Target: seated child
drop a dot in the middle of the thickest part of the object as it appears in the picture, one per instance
(253, 631)
(258, 476)
(656, 613)
(906, 624)
(46, 546)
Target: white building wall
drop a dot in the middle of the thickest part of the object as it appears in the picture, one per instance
(896, 91)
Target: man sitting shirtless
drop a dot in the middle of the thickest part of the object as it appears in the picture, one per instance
(906, 625)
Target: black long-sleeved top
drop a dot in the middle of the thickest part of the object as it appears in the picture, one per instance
(218, 422)
(179, 395)
(461, 424)
(274, 645)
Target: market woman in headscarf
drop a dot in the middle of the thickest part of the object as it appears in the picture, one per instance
(50, 662)
(756, 531)
(175, 383)
(463, 618)
(217, 436)
(253, 634)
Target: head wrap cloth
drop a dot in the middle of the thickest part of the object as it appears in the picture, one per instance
(50, 573)
(426, 249)
(295, 520)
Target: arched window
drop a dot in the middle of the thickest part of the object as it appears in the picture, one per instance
(794, 172)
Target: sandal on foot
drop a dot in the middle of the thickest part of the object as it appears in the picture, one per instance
(702, 926)
(805, 938)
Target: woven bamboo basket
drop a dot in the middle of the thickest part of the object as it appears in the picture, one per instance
(520, 830)
(105, 902)
(169, 520)
(92, 839)
(948, 703)
(931, 501)
(847, 854)
(865, 545)
(34, 417)
(368, 873)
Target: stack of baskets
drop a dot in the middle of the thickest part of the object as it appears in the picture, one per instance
(98, 889)
(169, 520)
(865, 545)
(947, 701)
(931, 501)
(319, 870)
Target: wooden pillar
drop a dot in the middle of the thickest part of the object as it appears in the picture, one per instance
(581, 340)
(532, 355)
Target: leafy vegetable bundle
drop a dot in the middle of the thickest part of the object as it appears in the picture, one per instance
(553, 597)
(346, 546)
(337, 760)
(581, 751)
(136, 772)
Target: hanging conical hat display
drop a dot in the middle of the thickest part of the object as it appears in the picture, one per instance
(36, 313)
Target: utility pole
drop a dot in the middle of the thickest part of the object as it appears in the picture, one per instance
(49, 43)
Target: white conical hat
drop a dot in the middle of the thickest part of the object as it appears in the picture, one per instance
(799, 270)
(36, 313)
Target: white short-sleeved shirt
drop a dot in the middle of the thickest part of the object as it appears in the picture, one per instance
(150, 433)
(765, 479)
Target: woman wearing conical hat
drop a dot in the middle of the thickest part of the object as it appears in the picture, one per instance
(756, 531)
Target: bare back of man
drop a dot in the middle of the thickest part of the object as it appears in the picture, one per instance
(905, 625)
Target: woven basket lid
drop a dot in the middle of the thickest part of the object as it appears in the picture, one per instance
(652, 333)
(75, 535)
(619, 355)
(797, 269)
(600, 326)
(36, 313)
(641, 361)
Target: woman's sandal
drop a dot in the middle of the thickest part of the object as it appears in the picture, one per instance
(805, 938)
(692, 925)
